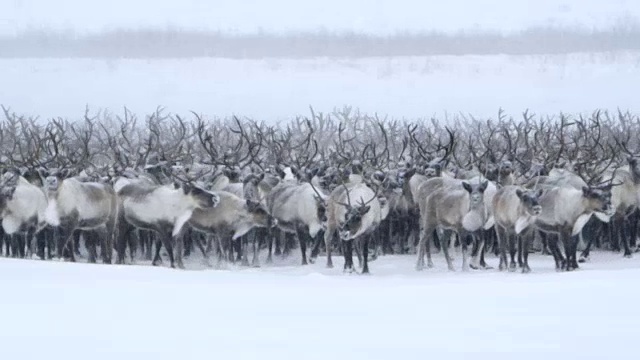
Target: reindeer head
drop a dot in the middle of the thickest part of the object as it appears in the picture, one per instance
(260, 215)
(8, 184)
(634, 167)
(201, 198)
(54, 177)
(321, 209)
(599, 198)
(432, 169)
(352, 221)
(529, 199)
(476, 193)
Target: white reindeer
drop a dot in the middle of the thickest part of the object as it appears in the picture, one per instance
(297, 208)
(515, 212)
(565, 211)
(74, 205)
(22, 208)
(353, 212)
(164, 209)
(233, 217)
(459, 208)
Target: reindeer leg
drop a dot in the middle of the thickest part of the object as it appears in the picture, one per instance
(90, 244)
(255, 261)
(302, 240)
(157, 259)
(527, 238)
(584, 256)
(270, 239)
(476, 262)
(512, 251)
(328, 237)
(365, 254)
(316, 246)
(444, 246)
(624, 237)
(502, 247)
(519, 243)
(245, 249)
(179, 250)
(76, 243)
(463, 236)
(348, 255)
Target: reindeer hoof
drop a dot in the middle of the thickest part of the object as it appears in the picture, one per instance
(512, 267)
(419, 267)
(628, 256)
(312, 260)
(583, 260)
(526, 269)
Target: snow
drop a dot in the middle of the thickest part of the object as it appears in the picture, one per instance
(293, 312)
(246, 16)
(279, 89)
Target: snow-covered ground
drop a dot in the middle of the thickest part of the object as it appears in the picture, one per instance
(379, 17)
(72, 311)
(277, 89)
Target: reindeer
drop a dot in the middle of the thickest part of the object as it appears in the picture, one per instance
(87, 206)
(565, 211)
(232, 217)
(515, 212)
(460, 209)
(352, 222)
(173, 206)
(297, 208)
(22, 207)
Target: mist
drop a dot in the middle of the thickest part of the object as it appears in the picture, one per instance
(273, 59)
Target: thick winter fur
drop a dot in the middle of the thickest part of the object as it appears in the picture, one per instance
(233, 217)
(22, 210)
(164, 209)
(565, 211)
(515, 212)
(353, 212)
(625, 198)
(74, 205)
(452, 206)
(297, 208)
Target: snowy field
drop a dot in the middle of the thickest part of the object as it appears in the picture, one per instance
(279, 89)
(250, 16)
(284, 311)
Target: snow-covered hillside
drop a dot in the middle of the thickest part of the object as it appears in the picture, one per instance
(72, 311)
(386, 16)
(280, 89)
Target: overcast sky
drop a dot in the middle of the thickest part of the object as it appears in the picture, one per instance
(373, 16)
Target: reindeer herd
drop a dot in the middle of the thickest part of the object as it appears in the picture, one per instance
(343, 182)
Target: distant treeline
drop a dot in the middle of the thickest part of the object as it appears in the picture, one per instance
(171, 43)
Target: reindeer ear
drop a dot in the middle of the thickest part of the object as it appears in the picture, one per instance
(484, 185)
(409, 173)
(365, 209)
(519, 193)
(467, 186)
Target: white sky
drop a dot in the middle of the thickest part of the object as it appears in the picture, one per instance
(373, 16)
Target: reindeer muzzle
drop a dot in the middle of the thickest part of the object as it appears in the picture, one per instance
(537, 210)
